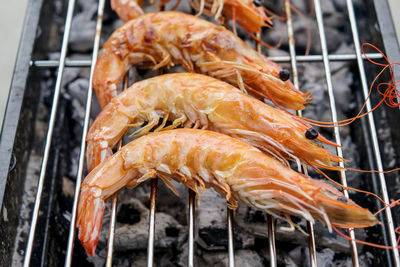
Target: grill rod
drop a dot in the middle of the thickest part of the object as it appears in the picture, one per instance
(279, 59)
(96, 44)
(231, 247)
(113, 221)
(114, 200)
(192, 197)
(152, 212)
(303, 169)
(152, 223)
(270, 219)
(371, 123)
(328, 75)
(192, 213)
(49, 135)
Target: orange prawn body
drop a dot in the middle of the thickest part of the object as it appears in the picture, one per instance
(247, 15)
(127, 9)
(167, 38)
(203, 159)
(199, 101)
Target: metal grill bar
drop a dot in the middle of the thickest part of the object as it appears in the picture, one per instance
(271, 241)
(113, 215)
(387, 30)
(192, 214)
(280, 59)
(152, 223)
(111, 231)
(191, 232)
(292, 51)
(192, 197)
(311, 244)
(152, 219)
(318, 13)
(96, 44)
(371, 123)
(49, 135)
(230, 238)
(270, 219)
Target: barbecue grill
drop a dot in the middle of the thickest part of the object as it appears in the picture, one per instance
(36, 247)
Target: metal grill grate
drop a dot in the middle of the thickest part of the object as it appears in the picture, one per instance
(293, 59)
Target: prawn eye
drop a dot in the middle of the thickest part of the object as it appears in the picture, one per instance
(284, 75)
(257, 2)
(342, 199)
(311, 134)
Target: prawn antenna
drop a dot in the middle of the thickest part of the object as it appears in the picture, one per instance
(365, 242)
(388, 90)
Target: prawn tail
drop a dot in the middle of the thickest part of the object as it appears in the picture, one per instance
(345, 213)
(90, 218)
(303, 197)
(127, 10)
(342, 212)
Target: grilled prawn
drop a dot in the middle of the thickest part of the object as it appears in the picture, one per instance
(127, 9)
(201, 158)
(245, 12)
(247, 15)
(199, 101)
(168, 38)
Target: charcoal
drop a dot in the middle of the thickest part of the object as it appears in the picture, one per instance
(342, 82)
(283, 258)
(212, 210)
(242, 258)
(68, 188)
(82, 35)
(328, 8)
(78, 90)
(333, 37)
(324, 256)
(87, 5)
(277, 52)
(364, 260)
(133, 235)
(302, 6)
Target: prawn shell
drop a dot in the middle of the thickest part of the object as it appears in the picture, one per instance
(127, 9)
(164, 39)
(249, 16)
(204, 102)
(237, 170)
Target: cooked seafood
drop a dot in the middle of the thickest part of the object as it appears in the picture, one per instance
(168, 38)
(199, 101)
(245, 12)
(201, 158)
(127, 9)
